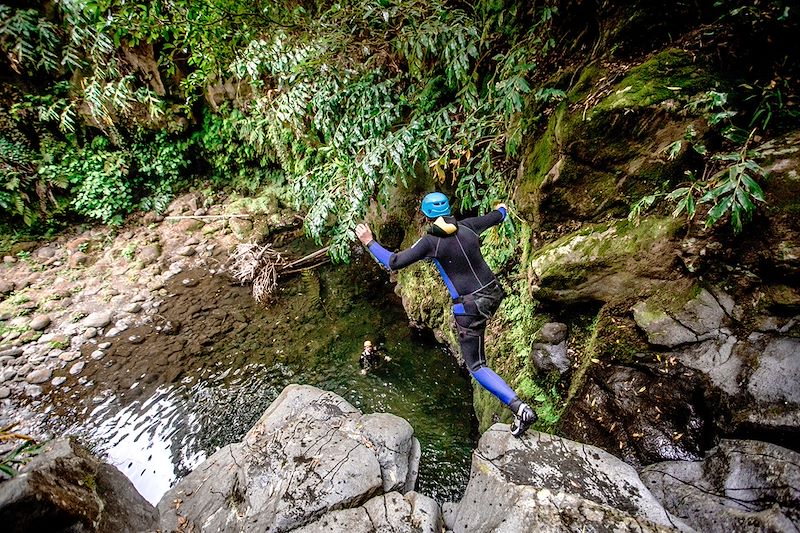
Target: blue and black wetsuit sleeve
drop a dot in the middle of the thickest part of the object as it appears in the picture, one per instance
(395, 261)
(482, 223)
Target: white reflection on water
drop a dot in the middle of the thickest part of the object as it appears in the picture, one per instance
(147, 441)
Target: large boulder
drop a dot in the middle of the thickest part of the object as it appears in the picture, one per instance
(545, 483)
(65, 488)
(605, 262)
(412, 513)
(740, 486)
(311, 452)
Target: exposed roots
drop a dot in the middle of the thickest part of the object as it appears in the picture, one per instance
(256, 264)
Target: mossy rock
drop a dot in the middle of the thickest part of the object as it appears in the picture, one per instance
(673, 73)
(606, 262)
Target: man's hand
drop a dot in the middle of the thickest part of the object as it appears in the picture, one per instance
(364, 234)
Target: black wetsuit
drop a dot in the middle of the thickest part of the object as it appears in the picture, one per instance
(454, 247)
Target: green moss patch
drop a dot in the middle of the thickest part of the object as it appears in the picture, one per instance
(669, 74)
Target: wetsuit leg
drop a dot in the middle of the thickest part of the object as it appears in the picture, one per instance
(471, 330)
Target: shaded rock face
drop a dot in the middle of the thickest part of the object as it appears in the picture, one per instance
(545, 483)
(65, 488)
(311, 452)
(739, 486)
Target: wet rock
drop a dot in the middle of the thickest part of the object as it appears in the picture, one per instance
(99, 319)
(720, 359)
(305, 436)
(39, 376)
(545, 483)
(77, 368)
(412, 513)
(5, 392)
(739, 486)
(39, 323)
(73, 489)
(78, 259)
(549, 357)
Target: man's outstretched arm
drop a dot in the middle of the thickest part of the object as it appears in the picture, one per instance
(387, 259)
(492, 218)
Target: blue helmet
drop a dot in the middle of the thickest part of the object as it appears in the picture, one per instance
(435, 204)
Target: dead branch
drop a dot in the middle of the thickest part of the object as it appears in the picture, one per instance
(262, 265)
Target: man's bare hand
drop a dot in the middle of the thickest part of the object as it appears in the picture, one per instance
(364, 234)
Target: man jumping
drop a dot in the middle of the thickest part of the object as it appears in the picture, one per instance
(454, 247)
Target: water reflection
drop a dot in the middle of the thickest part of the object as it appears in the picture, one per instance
(173, 400)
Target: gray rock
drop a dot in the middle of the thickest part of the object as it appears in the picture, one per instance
(392, 440)
(740, 486)
(310, 452)
(40, 322)
(14, 351)
(545, 483)
(99, 319)
(77, 368)
(9, 260)
(58, 381)
(553, 332)
(661, 329)
(73, 489)
(241, 227)
(45, 252)
(78, 259)
(39, 376)
(721, 359)
(549, 357)
(8, 374)
(97, 355)
(5, 392)
(90, 333)
(412, 513)
(69, 356)
(134, 307)
(700, 319)
(186, 251)
(6, 288)
(778, 374)
(149, 254)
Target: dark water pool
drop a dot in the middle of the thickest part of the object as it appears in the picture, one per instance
(158, 408)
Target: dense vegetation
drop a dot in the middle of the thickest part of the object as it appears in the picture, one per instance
(108, 106)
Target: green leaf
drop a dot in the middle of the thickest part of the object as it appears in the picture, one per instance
(718, 211)
(753, 188)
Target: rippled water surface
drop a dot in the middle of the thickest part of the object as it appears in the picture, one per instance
(157, 409)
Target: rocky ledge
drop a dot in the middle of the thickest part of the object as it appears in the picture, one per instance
(314, 463)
